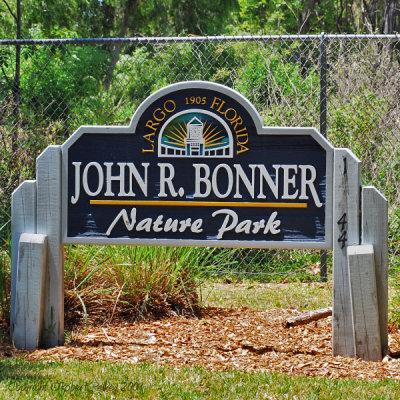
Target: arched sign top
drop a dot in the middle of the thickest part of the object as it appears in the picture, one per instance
(196, 166)
(191, 86)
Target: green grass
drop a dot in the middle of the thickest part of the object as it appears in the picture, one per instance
(28, 380)
(303, 296)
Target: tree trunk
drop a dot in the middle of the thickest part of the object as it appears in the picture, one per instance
(116, 51)
(16, 89)
(391, 18)
(303, 21)
(304, 17)
(367, 16)
(391, 24)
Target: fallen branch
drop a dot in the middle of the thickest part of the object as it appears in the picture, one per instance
(309, 317)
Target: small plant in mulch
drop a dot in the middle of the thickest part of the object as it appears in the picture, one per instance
(104, 285)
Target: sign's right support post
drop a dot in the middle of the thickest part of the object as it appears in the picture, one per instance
(374, 227)
(360, 277)
(346, 232)
(367, 265)
(364, 302)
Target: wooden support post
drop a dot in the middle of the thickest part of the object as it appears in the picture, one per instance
(49, 223)
(364, 302)
(346, 231)
(23, 220)
(29, 291)
(375, 231)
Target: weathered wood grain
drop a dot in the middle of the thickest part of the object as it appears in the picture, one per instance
(23, 220)
(364, 302)
(346, 232)
(49, 223)
(30, 291)
(374, 225)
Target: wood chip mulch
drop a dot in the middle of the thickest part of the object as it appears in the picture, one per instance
(239, 339)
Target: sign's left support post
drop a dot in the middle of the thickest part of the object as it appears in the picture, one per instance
(29, 299)
(49, 223)
(23, 220)
(37, 276)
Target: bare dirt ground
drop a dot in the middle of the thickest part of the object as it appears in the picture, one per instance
(239, 339)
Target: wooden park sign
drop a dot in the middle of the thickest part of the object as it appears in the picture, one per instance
(195, 167)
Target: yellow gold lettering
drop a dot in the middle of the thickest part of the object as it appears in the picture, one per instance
(215, 102)
(237, 121)
(149, 137)
(161, 115)
(152, 125)
(245, 135)
(170, 110)
(229, 110)
(219, 108)
(241, 130)
(241, 149)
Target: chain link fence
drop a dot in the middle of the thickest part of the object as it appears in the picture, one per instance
(347, 86)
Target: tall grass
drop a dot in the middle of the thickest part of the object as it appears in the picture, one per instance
(4, 284)
(5, 272)
(135, 281)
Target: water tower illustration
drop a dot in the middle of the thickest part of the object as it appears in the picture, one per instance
(194, 141)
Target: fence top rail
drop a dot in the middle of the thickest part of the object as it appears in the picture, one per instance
(195, 39)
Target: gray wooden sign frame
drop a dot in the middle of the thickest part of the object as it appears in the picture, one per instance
(39, 231)
(260, 130)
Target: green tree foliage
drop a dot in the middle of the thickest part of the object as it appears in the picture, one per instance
(111, 18)
(116, 18)
(314, 16)
(201, 17)
(264, 16)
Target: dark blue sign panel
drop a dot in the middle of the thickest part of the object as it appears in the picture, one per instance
(196, 167)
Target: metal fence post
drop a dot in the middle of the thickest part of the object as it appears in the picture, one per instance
(322, 125)
(322, 84)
